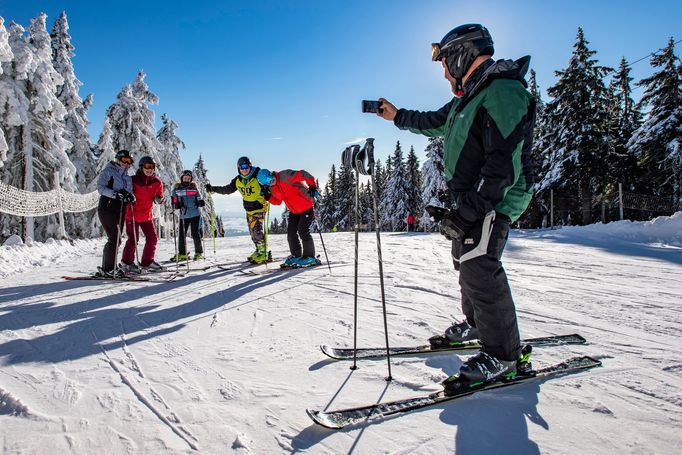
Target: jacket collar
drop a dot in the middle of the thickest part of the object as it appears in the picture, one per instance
(490, 70)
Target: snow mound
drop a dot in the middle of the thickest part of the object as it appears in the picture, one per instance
(664, 230)
(19, 257)
(13, 240)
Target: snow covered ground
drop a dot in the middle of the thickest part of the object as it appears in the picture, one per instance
(221, 361)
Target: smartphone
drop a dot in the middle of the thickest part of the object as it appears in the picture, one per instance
(372, 106)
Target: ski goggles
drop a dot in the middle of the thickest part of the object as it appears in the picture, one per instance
(149, 166)
(438, 52)
(244, 166)
(435, 52)
(126, 160)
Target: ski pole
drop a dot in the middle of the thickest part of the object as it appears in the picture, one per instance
(137, 254)
(210, 201)
(319, 230)
(201, 232)
(355, 306)
(267, 231)
(118, 237)
(175, 241)
(369, 146)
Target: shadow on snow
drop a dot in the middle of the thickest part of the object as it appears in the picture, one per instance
(98, 323)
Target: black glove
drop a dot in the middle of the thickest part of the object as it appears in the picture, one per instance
(454, 227)
(445, 197)
(201, 203)
(435, 212)
(120, 195)
(208, 187)
(124, 196)
(177, 203)
(158, 199)
(313, 193)
(266, 192)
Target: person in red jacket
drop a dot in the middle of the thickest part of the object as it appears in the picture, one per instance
(298, 191)
(410, 223)
(148, 189)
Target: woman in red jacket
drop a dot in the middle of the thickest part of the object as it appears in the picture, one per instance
(298, 191)
(148, 189)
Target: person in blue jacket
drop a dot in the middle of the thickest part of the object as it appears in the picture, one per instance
(115, 187)
(187, 200)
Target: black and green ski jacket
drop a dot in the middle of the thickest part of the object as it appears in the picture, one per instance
(488, 135)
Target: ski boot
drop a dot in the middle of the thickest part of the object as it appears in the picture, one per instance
(112, 274)
(179, 257)
(132, 269)
(154, 267)
(455, 335)
(306, 261)
(253, 256)
(477, 371)
(198, 256)
(523, 365)
(260, 256)
(289, 262)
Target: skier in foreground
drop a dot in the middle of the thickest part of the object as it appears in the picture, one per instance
(187, 200)
(488, 136)
(148, 189)
(298, 191)
(254, 204)
(116, 190)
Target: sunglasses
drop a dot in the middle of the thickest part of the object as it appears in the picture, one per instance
(149, 166)
(244, 166)
(126, 160)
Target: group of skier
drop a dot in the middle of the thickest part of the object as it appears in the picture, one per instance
(487, 128)
(129, 200)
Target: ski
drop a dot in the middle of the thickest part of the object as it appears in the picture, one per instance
(108, 278)
(148, 279)
(344, 417)
(249, 271)
(377, 353)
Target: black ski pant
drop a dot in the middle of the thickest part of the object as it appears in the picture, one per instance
(112, 222)
(196, 235)
(486, 297)
(299, 226)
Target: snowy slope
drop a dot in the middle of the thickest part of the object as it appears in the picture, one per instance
(222, 361)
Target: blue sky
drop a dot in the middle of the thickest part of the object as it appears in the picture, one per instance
(282, 81)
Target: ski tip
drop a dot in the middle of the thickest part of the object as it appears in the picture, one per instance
(317, 418)
(579, 338)
(330, 352)
(591, 360)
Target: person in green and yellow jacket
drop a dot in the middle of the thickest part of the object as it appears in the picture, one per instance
(254, 204)
(488, 134)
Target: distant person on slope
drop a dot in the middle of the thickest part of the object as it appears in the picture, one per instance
(254, 204)
(116, 191)
(187, 200)
(488, 130)
(148, 189)
(298, 191)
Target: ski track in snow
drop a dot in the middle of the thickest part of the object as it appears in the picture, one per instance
(218, 361)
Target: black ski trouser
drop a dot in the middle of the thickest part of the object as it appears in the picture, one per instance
(487, 301)
(196, 235)
(299, 226)
(112, 222)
